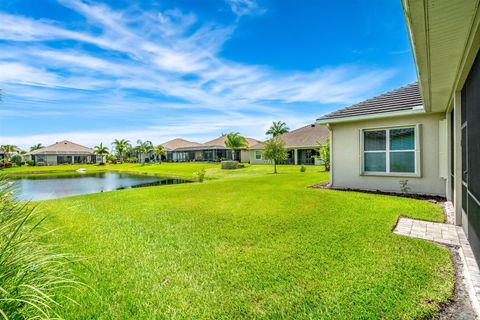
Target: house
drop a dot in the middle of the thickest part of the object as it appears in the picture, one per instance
(63, 152)
(301, 145)
(427, 133)
(214, 150)
(174, 144)
(17, 150)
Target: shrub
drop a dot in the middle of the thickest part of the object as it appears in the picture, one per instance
(241, 166)
(5, 164)
(17, 159)
(229, 165)
(303, 169)
(200, 175)
(101, 163)
(32, 273)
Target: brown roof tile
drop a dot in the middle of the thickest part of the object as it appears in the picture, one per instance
(404, 98)
(308, 136)
(63, 147)
(179, 143)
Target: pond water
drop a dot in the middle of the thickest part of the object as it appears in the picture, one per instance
(40, 187)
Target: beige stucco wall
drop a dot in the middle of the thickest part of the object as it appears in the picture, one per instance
(346, 156)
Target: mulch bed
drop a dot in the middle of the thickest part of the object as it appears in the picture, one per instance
(430, 198)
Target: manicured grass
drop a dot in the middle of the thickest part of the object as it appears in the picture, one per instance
(181, 170)
(249, 244)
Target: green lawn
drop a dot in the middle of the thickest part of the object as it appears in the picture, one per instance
(247, 244)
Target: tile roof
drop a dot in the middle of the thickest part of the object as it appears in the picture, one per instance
(179, 143)
(308, 136)
(63, 147)
(218, 143)
(401, 99)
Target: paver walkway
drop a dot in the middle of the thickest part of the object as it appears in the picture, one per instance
(433, 231)
(447, 234)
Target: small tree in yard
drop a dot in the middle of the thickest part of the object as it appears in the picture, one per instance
(275, 151)
(324, 151)
(101, 150)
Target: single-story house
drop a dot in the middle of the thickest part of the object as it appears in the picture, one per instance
(16, 151)
(214, 150)
(174, 144)
(63, 152)
(302, 145)
(427, 133)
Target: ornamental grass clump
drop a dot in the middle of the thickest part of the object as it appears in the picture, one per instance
(32, 273)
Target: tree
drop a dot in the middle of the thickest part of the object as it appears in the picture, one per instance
(121, 147)
(275, 151)
(159, 151)
(143, 148)
(235, 141)
(277, 128)
(324, 153)
(36, 147)
(7, 150)
(101, 150)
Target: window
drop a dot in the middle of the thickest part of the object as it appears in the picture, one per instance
(390, 151)
(258, 155)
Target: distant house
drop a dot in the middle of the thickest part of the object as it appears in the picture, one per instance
(214, 150)
(16, 151)
(62, 152)
(301, 144)
(175, 144)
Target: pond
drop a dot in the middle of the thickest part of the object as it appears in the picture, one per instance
(40, 187)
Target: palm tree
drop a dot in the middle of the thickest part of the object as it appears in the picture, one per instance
(121, 147)
(7, 150)
(36, 147)
(159, 151)
(277, 128)
(143, 148)
(101, 150)
(235, 141)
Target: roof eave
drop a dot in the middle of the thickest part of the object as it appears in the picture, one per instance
(416, 110)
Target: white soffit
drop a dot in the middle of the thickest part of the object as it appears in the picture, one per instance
(441, 33)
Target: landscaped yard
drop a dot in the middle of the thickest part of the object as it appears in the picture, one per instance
(247, 243)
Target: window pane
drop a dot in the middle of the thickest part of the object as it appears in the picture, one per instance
(375, 162)
(402, 139)
(402, 161)
(375, 140)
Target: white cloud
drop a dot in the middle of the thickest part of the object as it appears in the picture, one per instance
(245, 7)
(168, 56)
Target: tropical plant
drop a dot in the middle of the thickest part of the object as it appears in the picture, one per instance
(200, 175)
(7, 150)
(235, 141)
(275, 151)
(159, 151)
(277, 128)
(32, 274)
(121, 146)
(17, 159)
(36, 147)
(324, 153)
(101, 150)
(143, 148)
(303, 168)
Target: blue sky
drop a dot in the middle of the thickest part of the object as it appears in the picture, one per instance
(92, 71)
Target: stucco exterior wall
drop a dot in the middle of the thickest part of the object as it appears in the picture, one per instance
(347, 156)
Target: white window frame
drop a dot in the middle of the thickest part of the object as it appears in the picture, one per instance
(387, 151)
(258, 152)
